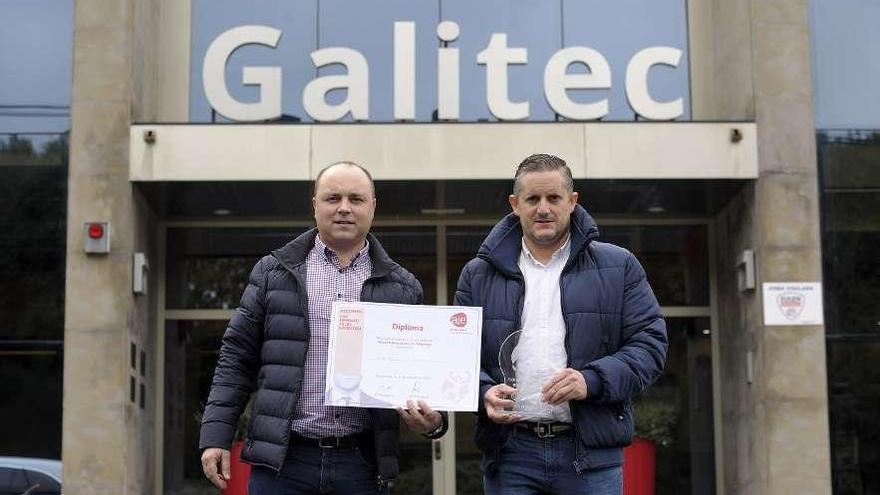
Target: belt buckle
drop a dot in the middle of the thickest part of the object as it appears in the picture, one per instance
(544, 430)
(328, 442)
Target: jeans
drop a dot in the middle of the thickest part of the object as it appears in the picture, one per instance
(309, 469)
(532, 465)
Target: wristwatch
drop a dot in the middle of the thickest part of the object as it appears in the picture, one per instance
(436, 432)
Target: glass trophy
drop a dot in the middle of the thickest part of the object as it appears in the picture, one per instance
(507, 358)
(526, 374)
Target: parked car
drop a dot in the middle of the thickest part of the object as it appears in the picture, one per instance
(29, 476)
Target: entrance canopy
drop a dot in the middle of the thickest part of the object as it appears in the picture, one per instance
(451, 151)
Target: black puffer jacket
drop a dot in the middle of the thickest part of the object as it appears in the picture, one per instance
(264, 348)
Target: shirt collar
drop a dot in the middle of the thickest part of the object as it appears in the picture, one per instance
(561, 253)
(330, 255)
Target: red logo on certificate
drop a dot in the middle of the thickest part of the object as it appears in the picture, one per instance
(458, 319)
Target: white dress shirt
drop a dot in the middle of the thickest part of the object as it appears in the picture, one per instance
(541, 348)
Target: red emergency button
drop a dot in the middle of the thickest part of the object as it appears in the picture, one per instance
(96, 230)
(96, 237)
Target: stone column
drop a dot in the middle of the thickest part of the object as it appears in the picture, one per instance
(793, 374)
(775, 429)
(107, 440)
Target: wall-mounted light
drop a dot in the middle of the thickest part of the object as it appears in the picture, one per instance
(745, 270)
(140, 269)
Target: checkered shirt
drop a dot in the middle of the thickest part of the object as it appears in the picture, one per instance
(327, 282)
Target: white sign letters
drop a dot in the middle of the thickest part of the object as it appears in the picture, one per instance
(496, 57)
(267, 78)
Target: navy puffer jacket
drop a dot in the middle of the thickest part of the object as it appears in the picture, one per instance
(615, 334)
(264, 348)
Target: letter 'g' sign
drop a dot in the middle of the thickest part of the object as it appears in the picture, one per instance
(496, 57)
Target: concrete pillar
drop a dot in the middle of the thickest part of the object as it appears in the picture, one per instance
(775, 429)
(107, 439)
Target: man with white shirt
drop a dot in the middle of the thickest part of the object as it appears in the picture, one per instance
(592, 339)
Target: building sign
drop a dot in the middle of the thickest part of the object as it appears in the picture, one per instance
(496, 57)
(394, 66)
(793, 303)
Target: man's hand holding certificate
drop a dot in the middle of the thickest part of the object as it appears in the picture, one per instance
(382, 355)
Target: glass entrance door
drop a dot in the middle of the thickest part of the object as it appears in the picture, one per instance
(416, 249)
(206, 269)
(206, 272)
(675, 416)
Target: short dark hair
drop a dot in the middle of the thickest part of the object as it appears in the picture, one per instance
(543, 163)
(343, 162)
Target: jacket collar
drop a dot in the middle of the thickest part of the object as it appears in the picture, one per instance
(294, 253)
(503, 244)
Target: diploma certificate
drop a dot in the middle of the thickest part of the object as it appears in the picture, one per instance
(381, 355)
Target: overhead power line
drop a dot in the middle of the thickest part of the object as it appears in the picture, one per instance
(26, 114)
(41, 107)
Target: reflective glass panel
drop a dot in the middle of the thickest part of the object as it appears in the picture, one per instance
(33, 235)
(36, 55)
(845, 76)
(675, 258)
(674, 417)
(208, 268)
(297, 19)
(31, 392)
(849, 165)
(535, 26)
(33, 239)
(368, 27)
(191, 351)
(618, 30)
(854, 399)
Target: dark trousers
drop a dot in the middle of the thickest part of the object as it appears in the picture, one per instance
(309, 469)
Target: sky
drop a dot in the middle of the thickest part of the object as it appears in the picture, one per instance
(846, 63)
(36, 54)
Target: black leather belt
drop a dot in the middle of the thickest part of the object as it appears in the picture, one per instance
(545, 430)
(349, 442)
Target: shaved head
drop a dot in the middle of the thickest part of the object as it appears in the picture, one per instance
(344, 163)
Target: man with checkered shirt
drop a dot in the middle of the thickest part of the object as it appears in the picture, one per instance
(278, 340)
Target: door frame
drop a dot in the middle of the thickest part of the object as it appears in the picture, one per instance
(443, 458)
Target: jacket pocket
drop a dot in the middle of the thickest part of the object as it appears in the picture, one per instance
(602, 426)
(623, 414)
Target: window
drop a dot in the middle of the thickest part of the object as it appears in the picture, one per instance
(850, 175)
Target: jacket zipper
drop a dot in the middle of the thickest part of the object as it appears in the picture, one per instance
(574, 423)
